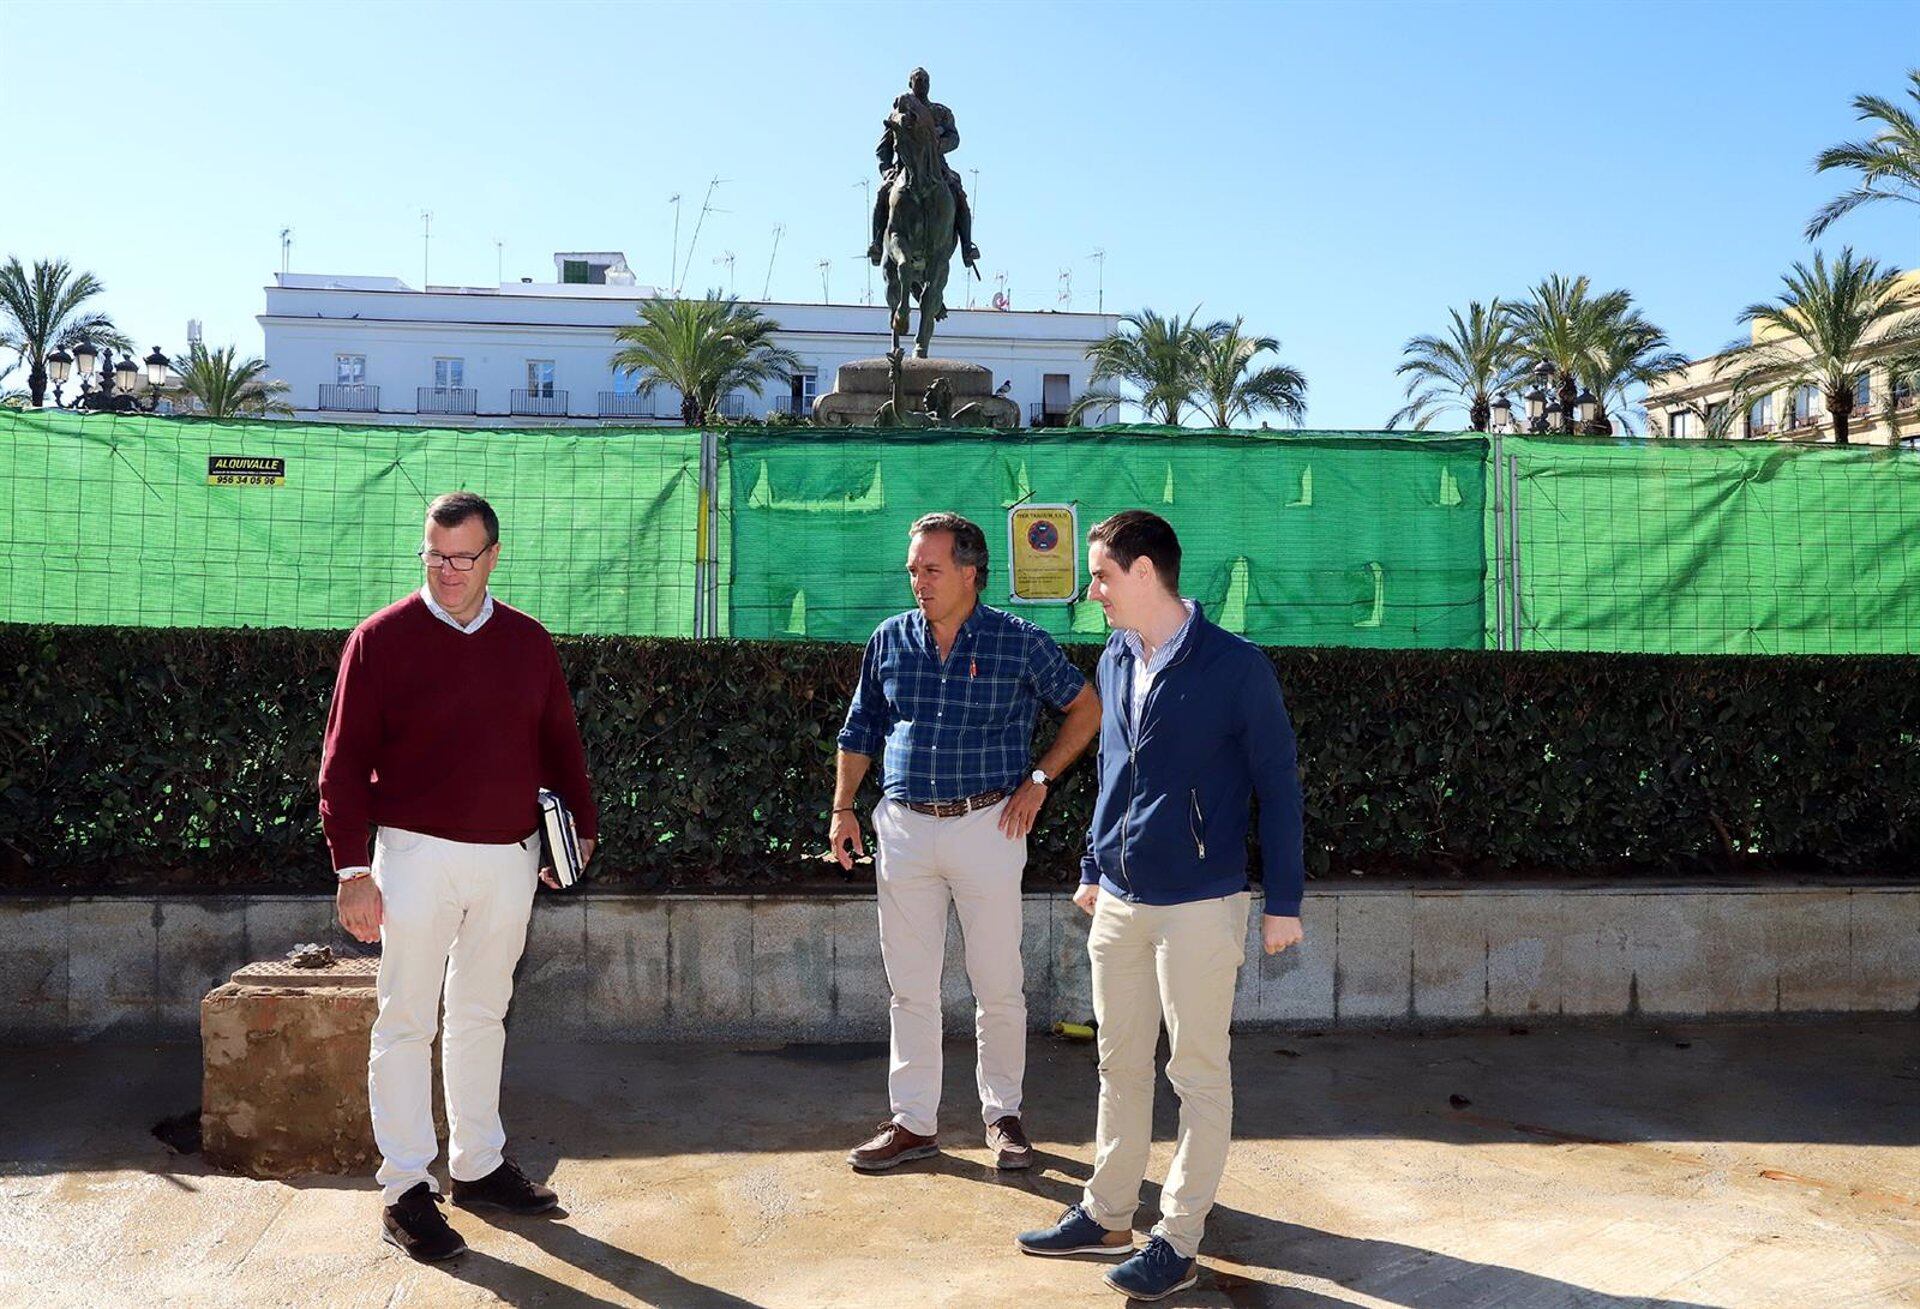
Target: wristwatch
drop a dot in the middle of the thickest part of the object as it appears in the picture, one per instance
(1039, 777)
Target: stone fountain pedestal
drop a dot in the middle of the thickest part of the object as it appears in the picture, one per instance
(861, 387)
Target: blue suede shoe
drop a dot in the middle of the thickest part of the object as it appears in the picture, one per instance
(1155, 1273)
(1075, 1233)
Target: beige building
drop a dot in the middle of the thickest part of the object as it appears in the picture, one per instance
(1693, 402)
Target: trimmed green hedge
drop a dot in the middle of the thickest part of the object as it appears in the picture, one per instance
(186, 759)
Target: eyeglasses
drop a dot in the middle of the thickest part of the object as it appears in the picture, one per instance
(460, 563)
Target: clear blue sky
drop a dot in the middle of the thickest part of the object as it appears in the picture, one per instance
(1338, 173)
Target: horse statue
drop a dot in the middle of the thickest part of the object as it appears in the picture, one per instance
(918, 244)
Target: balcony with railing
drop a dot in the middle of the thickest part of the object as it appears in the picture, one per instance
(537, 404)
(620, 404)
(447, 400)
(792, 406)
(1047, 415)
(358, 398)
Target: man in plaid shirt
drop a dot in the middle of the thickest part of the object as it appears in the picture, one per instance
(951, 689)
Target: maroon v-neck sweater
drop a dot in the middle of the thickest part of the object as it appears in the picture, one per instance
(448, 733)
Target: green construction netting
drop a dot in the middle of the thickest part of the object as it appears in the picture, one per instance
(1374, 539)
(1716, 547)
(112, 519)
(1292, 539)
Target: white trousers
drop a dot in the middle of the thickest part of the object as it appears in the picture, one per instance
(923, 863)
(1179, 962)
(454, 912)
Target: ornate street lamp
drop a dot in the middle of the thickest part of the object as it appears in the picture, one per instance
(1586, 408)
(114, 389)
(1500, 414)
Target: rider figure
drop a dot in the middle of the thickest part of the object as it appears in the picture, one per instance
(918, 83)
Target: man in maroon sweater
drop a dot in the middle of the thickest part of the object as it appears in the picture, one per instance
(449, 715)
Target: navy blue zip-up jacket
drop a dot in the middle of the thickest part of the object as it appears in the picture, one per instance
(1170, 825)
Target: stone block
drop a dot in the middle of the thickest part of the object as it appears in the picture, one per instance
(550, 984)
(284, 1074)
(626, 965)
(861, 996)
(1523, 945)
(1072, 969)
(33, 967)
(277, 923)
(1036, 958)
(200, 943)
(1296, 986)
(112, 967)
(1807, 940)
(1699, 952)
(793, 966)
(1373, 965)
(710, 982)
(1884, 963)
(1449, 955)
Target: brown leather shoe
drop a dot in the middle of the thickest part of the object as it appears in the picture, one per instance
(893, 1145)
(1008, 1141)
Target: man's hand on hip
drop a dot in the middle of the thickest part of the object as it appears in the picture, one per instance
(1017, 815)
(1087, 896)
(1277, 933)
(358, 904)
(845, 832)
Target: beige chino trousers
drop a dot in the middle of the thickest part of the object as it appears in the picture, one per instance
(922, 864)
(1179, 962)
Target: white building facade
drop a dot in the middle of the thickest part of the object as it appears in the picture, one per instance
(374, 349)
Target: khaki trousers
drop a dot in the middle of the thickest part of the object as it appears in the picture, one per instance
(922, 864)
(1181, 962)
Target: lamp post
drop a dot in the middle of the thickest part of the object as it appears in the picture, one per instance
(1500, 414)
(1544, 410)
(114, 389)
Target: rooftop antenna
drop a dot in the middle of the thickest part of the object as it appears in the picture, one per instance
(1099, 258)
(706, 207)
(426, 246)
(499, 260)
(1001, 298)
(866, 218)
(1065, 297)
(674, 200)
(826, 296)
(726, 257)
(286, 249)
(974, 200)
(767, 290)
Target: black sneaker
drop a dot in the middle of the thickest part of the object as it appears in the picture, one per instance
(506, 1187)
(413, 1226)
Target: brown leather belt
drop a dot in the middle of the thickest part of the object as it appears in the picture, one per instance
(955, 808)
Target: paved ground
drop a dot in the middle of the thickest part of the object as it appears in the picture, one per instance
(1714, 1165)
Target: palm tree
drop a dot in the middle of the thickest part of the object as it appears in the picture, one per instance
(42, 311)
(1627, 352)
(1228, 387)
(1889, 164)
(704, 349)
(1477, 360)
(1561, 324)
(218, 384)
(1823, 331)
(1157, 356)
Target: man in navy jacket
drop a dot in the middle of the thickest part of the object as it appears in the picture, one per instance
(1193, 727)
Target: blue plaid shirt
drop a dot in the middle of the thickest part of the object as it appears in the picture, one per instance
(962, 727)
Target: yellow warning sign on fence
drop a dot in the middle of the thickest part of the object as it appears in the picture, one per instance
(245, 470)
(1043, 541)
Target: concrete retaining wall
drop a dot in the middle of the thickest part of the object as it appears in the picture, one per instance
(638, 967)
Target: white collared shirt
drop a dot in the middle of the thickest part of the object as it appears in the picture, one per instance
(1146, 670)
(479, 619)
